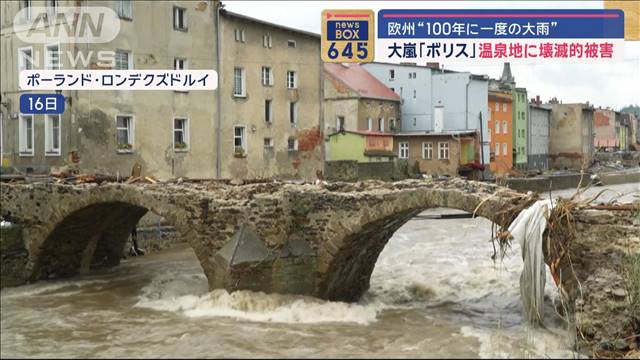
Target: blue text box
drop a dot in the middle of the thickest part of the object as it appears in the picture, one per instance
(481, 24)
(49, 104)
(341, 30)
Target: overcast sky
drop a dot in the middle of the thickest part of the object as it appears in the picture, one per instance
(614, 84)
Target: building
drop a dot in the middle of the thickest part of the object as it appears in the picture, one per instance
(169, 133)
(449, 153)
(437, 100)
(538, 136)
(571, 135)
(632, 135)
(264, 119)
(270, 94)
(355, 100)
(623, 126)
(500, 131)
(361, 146)
(520, 109)
(605, 130)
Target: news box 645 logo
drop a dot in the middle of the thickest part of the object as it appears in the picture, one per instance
(348, 36)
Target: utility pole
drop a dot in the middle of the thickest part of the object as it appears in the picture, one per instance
(481, 145)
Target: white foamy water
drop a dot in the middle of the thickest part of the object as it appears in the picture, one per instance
(435, 292)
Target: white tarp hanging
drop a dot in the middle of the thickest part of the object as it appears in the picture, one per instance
(527, 229)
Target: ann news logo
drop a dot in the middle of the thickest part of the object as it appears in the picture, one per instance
(347, 36)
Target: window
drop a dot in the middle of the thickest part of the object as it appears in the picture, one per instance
(381, 124)
(268, 143)
(497, 106)
(292, 144)
(52, 56)
(266, 41)
(369, 124)
(179, 64)
(427, 150)
(291, 43)
(414, 121)
(122, 60)
(392, 74)
(403, 152)
(293, 113)
(239, 140)
(124, 133)
(52, 135)
(267, 76)
(392, 124)
(443, 150)
(393, 89)
(489, 136)
(52, 9)
(239, 82)
(124, 9)
(268, 111)
(25, 133)
(340, 123)
(179, 18)
(25, 58)
(504, 107)
(497, 127)
(26, 4)
(180, 134)
(292, 80)
(239, 35)
(504, 127)
(497, 149)
(504, 149)
(414, 94)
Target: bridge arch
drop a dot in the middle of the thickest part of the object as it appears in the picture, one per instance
(348, 256)
(75, 229)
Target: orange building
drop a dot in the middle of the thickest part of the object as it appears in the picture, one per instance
(501, 132)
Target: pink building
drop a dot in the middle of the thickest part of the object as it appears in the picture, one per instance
(604, 128)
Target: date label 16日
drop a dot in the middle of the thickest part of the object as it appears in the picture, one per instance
(348, 36)
(42, 104)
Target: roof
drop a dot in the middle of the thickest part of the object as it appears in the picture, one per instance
(443, 133)
(364, 133)
(358, 79)
(540, 107)
(248, 18)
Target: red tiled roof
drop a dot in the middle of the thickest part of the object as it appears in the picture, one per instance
(361, 81)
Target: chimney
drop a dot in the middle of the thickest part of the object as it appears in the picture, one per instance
(433, 65)
(538, 102)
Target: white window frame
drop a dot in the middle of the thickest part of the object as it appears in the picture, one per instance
(295, 144)
(183, 61)
(497, 127)
(392, 76)
(131, 133)
(504, 107)
(403, 147)
(268, 119)
(176, 26)
(292, 81)
(28, 12)
(266, 75)
(381, 124)
(504, 149)
(392, 123)
(22, 61)
(185, 133)
(289, 42)
(340, 127)
(243, 82)
(293, 121)
(445, 149)
(270, 144)
(119, 7)
(369, 124)
(22, 136)
(427, 150)
(497, 150)
(505, 127)
(266, 41)
(129, 59)
(497, 109)
(47, 57)
(49, 150)
(243, 138)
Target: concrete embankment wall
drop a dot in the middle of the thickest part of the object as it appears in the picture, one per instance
(569, 181)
